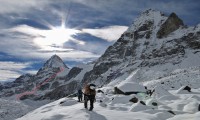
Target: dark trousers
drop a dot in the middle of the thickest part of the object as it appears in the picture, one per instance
(86, 99)
(80, 98)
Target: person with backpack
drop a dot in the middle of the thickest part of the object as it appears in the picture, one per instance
(89, 95)
(80, 95)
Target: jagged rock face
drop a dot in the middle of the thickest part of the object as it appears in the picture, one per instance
(126, 46)
(45, 86)
(171, 24)
(192, 40)
(55, 84)
(153, 39)
(23, 78)
(73, 73)
(97, 71)
(8, 93)
(62, 91)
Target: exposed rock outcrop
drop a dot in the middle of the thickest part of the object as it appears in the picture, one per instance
(171, 24)
(62, 91)
(73, 73)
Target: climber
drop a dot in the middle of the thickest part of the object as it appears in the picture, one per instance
(89, 95)
(80, 95)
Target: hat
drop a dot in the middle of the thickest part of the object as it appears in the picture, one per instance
(92, 87)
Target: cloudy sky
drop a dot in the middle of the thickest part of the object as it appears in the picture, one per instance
(31, 31)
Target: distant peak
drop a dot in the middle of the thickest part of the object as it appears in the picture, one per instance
(149, 11)
(54, 56)
(55, 62)
(173, 15)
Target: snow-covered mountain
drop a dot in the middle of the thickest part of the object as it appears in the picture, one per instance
(47, 78)
(53, 81)
(153, 47)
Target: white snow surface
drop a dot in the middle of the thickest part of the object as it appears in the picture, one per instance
(131, 87)
(118, 107)
(10, 109)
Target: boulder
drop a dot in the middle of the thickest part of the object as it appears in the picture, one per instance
(134, 100)
(171, 112)
(154, 104)
(187, 88)
(142, 102)
(118, 91)
(199, 108)
(184, 90)
(131, 88)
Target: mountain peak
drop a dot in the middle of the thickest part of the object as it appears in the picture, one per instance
(150, 12)
(148, 18)
(55, 62)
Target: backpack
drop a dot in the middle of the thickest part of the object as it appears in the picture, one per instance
(89, 91)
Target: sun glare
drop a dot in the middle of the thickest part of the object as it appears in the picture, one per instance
(56, 37)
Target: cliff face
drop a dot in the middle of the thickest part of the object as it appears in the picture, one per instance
(152, 40)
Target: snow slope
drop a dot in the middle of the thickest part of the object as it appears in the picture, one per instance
(10, 109)
(118, 107)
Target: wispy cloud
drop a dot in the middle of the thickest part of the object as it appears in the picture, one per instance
(29, 42)
(110, 33)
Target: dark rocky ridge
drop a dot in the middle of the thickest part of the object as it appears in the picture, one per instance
(73, 73)
(171, 24)
(62, 91)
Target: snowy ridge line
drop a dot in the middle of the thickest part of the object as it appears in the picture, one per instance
(18, 96)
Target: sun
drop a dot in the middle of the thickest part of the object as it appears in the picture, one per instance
(56, 37)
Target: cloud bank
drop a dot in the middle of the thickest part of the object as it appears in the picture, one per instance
(12, 70)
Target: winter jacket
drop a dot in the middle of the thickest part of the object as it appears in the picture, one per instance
(88, 91)
(80, 93)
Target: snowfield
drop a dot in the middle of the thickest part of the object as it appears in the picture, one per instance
(108, 106)
(169, 101)
(10, 108)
